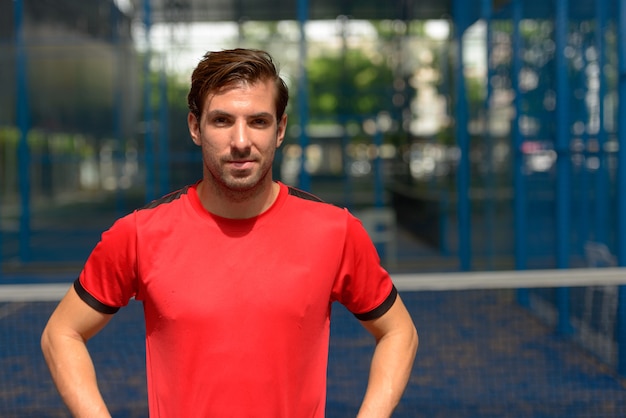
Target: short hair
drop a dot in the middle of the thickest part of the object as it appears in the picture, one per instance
(223, 69)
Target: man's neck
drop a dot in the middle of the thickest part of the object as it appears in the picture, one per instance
(237, 205)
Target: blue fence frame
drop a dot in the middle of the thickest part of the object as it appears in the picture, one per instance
(465, 13)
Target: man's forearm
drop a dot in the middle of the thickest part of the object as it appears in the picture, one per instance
(73, 374)
(391, 367)
(392, 362)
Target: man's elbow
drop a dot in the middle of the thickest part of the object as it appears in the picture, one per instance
(413, 340)
(408, 330)
(54, 339)
(47, 343)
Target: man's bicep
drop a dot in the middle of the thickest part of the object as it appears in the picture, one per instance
(395, 319)
(74, 317)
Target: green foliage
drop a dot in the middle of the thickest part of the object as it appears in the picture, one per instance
(350, 85)
(9, 135)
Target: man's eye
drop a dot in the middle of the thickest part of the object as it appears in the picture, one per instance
(260, 122)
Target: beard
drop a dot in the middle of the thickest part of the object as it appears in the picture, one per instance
(238, 184)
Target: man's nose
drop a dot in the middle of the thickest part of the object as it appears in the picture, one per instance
(240, 137)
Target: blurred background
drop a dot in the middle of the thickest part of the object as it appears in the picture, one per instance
(469, 135)
(479, 141)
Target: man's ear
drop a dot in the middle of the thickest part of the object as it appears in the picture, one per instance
(194, 128)
(281, 130)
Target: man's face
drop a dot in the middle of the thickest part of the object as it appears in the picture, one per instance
(239, 135)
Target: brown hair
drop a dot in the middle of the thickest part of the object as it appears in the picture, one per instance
(223, 69)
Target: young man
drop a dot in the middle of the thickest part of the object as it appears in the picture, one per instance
(237, 274)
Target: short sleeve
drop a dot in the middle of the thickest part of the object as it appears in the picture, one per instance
(109, 279)
(363, 286)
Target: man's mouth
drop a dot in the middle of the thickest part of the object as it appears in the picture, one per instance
(241, 164)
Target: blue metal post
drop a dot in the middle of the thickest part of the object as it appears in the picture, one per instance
(344, 98)
(581, 176)
(23, 122)
(379, 193)
(348, 183)
(519, 180)
(164, 131)
(462, 138)
(303, 95)
(562, 146)
(490, 177)
(444, 194)
(621, 185)
(602, 174)
(147, 103)
(117, 108)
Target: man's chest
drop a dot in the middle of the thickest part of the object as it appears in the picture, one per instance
(284, 279)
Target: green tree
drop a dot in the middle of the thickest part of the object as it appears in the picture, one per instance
(349, 85)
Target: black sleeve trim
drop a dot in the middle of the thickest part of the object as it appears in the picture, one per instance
(93, 302)
(381, 309)
(303, 195)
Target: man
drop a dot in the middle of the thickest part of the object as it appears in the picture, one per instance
(237, 274)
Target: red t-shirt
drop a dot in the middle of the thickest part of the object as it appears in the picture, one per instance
(237, 311)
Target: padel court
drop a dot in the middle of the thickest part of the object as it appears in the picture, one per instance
(481, 355)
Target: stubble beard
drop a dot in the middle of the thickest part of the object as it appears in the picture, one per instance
(238, 188)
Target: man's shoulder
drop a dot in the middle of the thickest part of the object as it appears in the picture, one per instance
(172, 197)
(169, 208)
(307, 208)
(303, 199)
(293, 191)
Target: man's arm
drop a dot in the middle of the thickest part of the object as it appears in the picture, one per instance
(396, 345)
(63, 343)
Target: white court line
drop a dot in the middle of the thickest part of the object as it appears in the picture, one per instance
(510, 279)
